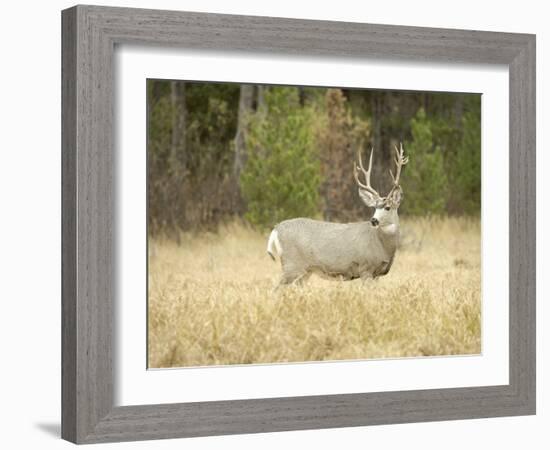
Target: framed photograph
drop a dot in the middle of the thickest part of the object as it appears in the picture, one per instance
(278, 224)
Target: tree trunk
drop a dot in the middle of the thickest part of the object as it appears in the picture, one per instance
(179, 122)
(246, 100)
(377, 120)
(458, 111)
(260, 102)
(178, 157)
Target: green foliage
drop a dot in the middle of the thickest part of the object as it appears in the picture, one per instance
(467, 166)
(281, 177)
(424, 178)
(211, 125)
(187, 182)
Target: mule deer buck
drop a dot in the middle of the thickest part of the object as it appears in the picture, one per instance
(344, 251)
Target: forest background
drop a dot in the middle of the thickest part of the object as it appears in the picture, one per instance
(221, 151)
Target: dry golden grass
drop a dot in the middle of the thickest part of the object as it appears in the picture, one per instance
(211, 301)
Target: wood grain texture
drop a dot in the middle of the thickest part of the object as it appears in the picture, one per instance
(88, 304)
(522, 242)
(68, 225)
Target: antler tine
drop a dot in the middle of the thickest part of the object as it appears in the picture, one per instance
(400, 160)
(392, 177)
(356, 176)
(366, 173)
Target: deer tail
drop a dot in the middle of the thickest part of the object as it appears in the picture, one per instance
(273, 245)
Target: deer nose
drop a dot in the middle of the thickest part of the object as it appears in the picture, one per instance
(374, 221)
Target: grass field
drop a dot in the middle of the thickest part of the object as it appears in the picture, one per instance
(211, 301)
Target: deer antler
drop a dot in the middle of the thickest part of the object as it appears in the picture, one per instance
(366, 173)
(400, 160)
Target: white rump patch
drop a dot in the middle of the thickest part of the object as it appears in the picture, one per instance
(273, 245)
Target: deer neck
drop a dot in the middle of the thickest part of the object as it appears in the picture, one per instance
(389, 230)
(389, 236)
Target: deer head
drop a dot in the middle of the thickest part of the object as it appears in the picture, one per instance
(385, 212)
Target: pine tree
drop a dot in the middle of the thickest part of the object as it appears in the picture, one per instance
(425, 178)
(281, 177)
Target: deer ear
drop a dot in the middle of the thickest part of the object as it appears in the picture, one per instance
(396, 196)
(368, 198)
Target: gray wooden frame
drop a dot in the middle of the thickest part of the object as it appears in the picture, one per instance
(88, 270)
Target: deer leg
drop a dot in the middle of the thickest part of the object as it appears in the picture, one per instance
(302, 279)
(382, 269)
(366, 276)
(296, 278)
(385, 267)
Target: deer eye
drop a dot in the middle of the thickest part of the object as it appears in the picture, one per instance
(387, 208)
